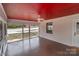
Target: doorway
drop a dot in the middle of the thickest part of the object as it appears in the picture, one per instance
(76, 34)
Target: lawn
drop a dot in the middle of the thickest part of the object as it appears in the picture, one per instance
(19, 35)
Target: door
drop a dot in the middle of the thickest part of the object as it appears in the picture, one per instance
(14, 32)
(1, 37)
(76, 34)
(34, 31)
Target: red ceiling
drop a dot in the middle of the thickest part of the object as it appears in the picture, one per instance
(30, 11)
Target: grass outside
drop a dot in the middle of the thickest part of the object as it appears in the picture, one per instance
(19, 35)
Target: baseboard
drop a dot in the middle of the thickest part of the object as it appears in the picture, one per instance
(56, 42)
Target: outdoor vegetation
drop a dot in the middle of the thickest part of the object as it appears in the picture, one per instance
(18, 36)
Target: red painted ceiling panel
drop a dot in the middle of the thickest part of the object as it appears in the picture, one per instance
(21, 11)
(45, 10)
(49, 11)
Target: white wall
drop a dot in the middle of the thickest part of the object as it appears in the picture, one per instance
(63, 29)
